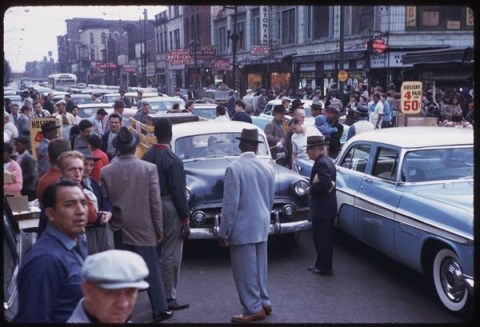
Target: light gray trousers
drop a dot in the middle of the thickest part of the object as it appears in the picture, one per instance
(249, 266)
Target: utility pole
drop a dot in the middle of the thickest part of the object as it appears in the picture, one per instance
(195, 44)
(234, 37)
(341, 94)
(144, 56)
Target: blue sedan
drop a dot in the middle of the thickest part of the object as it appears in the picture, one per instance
(408, 192)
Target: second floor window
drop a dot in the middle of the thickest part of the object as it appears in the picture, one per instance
(177, 38)
(256, 28)
(221, 38)
(287, 26)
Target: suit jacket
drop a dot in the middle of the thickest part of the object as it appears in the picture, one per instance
(29, 171)
(132, 186)
(323, 198)
(248, 196)
(274, 132)
(126, 101)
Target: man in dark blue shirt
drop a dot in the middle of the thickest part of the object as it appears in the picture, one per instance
(240, 114)
(50, 275)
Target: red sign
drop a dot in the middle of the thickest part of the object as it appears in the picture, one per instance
(179, 57)
(130, 68)
(222, 65)
(379, 45)
(104, 65)
(260, 50)
(204, 52)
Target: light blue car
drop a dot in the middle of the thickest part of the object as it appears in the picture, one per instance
(408, 192)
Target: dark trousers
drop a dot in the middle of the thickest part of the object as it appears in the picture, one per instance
(322, 232)
(156, 291)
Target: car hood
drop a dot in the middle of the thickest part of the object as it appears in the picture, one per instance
(205, 177)
(457, 193)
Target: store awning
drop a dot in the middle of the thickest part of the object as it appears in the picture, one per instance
(261, 60)
(332, 56)
(450, 55)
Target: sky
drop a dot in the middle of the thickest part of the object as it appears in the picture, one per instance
(30, 32)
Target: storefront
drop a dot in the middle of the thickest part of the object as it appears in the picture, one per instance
(267, 72)
(321, 71)
(386, 68)
(448, 69)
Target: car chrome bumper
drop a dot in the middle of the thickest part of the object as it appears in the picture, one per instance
(469, 284)
(276, 227)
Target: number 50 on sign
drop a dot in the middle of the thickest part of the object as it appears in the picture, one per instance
(411, 101)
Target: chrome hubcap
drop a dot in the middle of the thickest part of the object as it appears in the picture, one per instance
(452, 279)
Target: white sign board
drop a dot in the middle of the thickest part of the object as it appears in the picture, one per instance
(264, 25)
(411, 101)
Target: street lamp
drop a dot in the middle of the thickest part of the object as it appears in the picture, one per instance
(235, 37)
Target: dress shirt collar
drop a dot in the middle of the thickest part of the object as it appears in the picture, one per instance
(66, 242)
(161, 146)
(248, 154)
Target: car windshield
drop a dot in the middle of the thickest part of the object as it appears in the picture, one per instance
(438, 164)
(212, 145)
(205, 113)
(162, 106)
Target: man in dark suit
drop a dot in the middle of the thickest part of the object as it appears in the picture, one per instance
(323, 204)
(28, 165)
(125, 100)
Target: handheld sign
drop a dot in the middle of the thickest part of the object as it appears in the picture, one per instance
(411, 101)
(36, 132)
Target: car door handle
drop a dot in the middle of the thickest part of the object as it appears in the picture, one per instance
(368, 180)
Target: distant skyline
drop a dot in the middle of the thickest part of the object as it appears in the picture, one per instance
(31, 32)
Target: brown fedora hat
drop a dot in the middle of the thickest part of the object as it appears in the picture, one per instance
(249, 135)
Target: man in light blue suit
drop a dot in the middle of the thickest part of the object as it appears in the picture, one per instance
(247, 202)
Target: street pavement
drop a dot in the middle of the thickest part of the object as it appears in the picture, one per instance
(367, 287)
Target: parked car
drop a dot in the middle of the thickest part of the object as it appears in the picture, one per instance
(206, 111)
(81, 98)
(216, 96)
(16, 243)
(88, 110)
(408, 192)
(207, 148)
(164, 103)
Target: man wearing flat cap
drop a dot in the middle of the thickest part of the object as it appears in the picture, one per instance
(63, 115)
(110, 288)
(137, 217)
(323, 204)
(247, 201)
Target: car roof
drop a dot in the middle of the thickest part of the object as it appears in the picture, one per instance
(209, 127)
(418, 137)
(165, 98)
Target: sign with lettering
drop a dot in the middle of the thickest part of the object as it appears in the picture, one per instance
(179, 57)
(204, 52)
(222, 65)
(260, 50)
(36, 132)
(411, 97)
(264, 25)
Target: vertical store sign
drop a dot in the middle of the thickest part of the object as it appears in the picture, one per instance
(264, 25)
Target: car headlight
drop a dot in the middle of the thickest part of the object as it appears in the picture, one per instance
(188, 193)
(288, 211)
(299, 187)
(198, 218)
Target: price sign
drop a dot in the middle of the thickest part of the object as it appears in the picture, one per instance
(411, 101)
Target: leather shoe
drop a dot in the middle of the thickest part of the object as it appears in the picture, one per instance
(164, 315)
(174, 305)
(247, 318)
(267, 309)
(322, 272)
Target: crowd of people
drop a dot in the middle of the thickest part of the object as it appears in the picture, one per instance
(91, 204)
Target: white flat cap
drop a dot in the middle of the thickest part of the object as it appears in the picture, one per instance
(115, 269)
